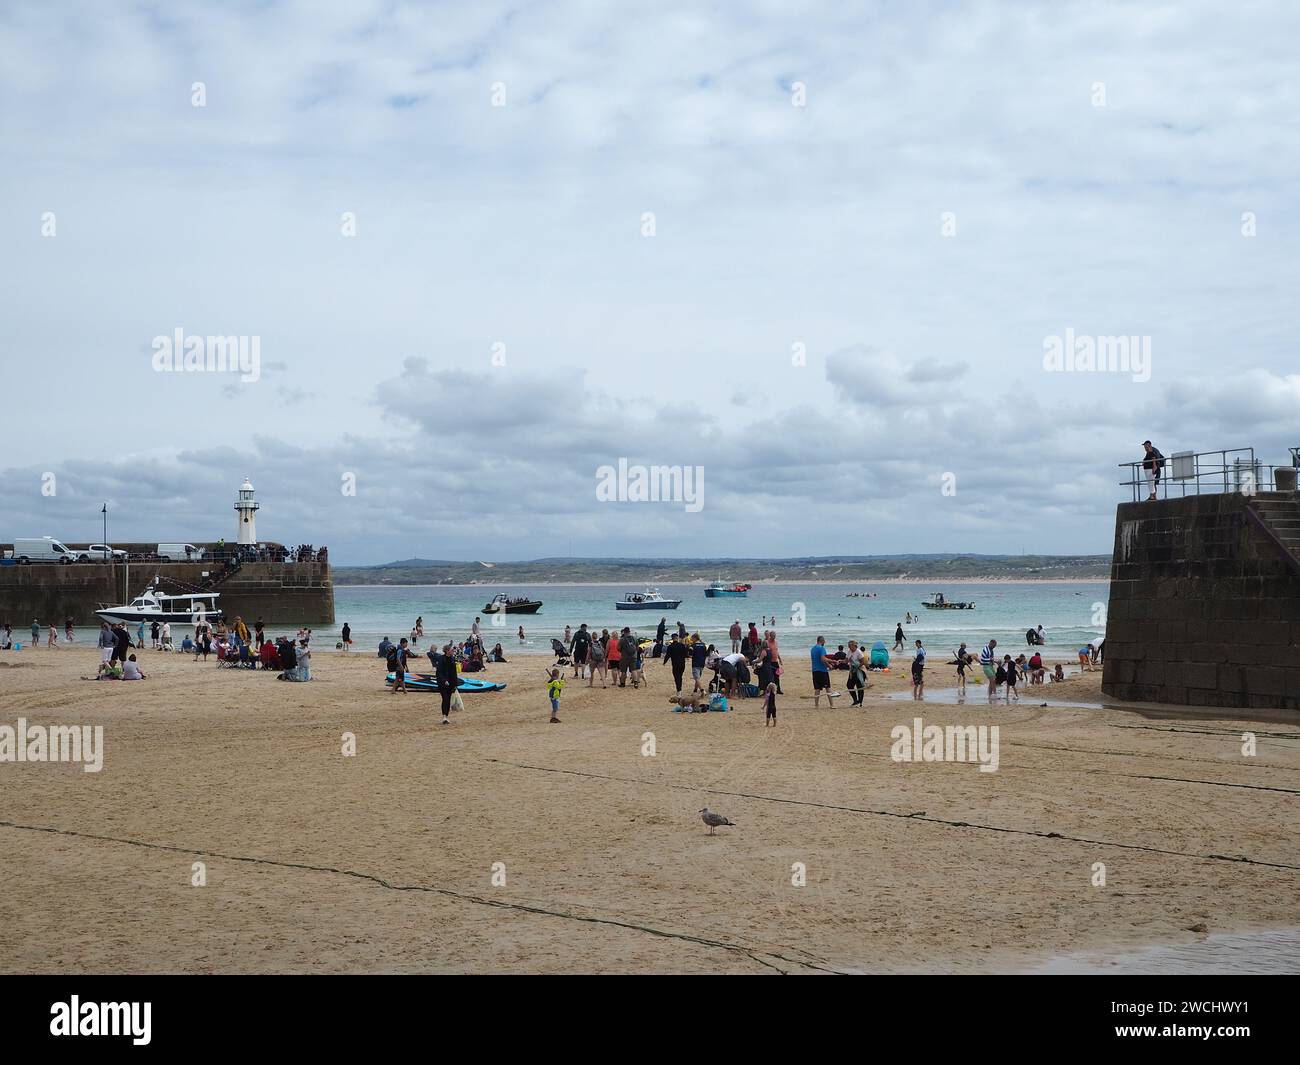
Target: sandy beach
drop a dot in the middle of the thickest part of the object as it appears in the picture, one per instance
(385, 861)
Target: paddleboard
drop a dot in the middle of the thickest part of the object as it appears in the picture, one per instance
(468, 685)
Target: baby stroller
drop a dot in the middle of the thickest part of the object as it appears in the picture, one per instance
(561, 653)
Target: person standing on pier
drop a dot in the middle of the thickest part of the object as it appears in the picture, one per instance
(1151, 467)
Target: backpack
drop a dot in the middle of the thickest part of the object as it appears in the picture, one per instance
(394, 659)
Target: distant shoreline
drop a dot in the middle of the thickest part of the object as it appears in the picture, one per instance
(756, 584)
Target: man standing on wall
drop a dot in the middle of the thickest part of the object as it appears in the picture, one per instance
(1151, 466)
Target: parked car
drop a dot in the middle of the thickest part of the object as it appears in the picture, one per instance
(101, 553)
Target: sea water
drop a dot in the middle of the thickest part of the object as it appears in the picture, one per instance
(1071, 614)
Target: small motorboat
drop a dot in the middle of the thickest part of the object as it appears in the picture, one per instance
(938, 601)
(650, 599)
(189, 608)
(720, 590)
(518, 604)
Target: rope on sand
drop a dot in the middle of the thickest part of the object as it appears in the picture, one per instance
(754, 954)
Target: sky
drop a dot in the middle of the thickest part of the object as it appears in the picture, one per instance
(814, 253)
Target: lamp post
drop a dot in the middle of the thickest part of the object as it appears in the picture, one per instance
(104, 511)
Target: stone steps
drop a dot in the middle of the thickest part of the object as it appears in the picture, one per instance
(1281, 514)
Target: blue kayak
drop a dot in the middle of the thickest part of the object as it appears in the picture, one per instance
(427, 682)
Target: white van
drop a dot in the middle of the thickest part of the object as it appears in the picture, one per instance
(43, 549)
(179, 552)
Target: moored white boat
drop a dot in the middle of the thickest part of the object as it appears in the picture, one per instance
(650, 599)
(188, 608)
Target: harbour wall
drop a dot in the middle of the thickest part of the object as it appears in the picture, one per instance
(281, 593)
(1204, 607)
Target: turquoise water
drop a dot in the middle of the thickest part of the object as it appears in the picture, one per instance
(1071, 614)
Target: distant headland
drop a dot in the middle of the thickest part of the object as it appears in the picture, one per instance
(754, 570)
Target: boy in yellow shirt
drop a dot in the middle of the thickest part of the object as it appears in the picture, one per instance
(554, 688)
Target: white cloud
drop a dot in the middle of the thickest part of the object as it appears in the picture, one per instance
(818, 225)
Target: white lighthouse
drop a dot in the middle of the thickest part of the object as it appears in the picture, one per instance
(246, 507)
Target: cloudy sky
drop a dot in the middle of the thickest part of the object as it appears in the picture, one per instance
(488, 248)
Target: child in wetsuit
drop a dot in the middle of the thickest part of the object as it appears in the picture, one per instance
(769, 702)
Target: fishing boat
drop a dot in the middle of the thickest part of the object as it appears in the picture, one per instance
(518, 604)
(650, 599)
(938, 601)
(720, 590)
(188, 608)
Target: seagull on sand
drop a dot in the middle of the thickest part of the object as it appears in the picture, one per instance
(714, 821)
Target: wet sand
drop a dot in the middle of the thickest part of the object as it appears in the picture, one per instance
(384, 862)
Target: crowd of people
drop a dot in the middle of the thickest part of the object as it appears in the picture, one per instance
(751, 667)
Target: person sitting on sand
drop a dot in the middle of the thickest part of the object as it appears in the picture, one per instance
(1059, 675)
(187, 644)
(131, 670)
(474, 658)
(498, 654)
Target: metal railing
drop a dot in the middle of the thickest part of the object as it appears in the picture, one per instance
(1185, 473)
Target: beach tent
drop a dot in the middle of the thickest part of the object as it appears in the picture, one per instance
(879, 655)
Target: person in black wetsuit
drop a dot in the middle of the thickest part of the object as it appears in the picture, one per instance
(675, 654)
(448, 681)
(581, 650)
(121, 644)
